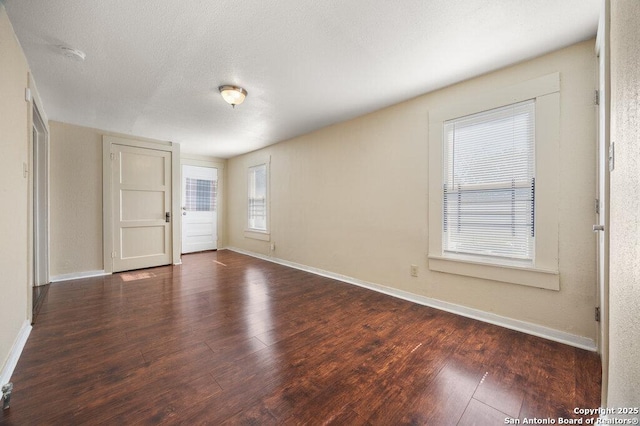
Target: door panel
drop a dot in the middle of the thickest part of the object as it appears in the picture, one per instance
(142, 168)
(142, 205)
(199, 208)
(141, 182)
(143, 241)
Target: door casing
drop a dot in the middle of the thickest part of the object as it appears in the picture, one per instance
(107, 194)
(40, 188)
(602, 191)
(204, 161)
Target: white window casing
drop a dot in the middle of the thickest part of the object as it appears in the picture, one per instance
(500, 221)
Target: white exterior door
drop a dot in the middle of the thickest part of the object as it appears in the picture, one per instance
(199, 208)
(141, 191)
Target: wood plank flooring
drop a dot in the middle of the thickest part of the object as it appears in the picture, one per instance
(39, 294)
(229, 339)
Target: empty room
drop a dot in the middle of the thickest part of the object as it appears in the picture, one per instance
(295, 212)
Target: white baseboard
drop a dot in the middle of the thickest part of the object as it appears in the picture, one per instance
(14, 354)
(78, 275)
(488, 317)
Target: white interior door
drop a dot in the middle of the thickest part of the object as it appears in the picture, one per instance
(199, 208)
(141, 191)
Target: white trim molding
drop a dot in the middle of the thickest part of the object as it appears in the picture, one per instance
(78, 275)
(512, 324)
(257, 235)
(214, 163)
(543, 273)
(107, 200)
(16, 351)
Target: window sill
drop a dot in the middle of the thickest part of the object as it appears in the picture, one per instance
(522, 275)
(257, 235)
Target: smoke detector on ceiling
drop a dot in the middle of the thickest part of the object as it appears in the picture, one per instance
(71, 53)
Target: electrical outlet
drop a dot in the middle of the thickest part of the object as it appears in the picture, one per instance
(414, 270)
(273, 246)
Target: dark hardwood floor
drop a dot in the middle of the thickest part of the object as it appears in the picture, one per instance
(229, 339)
(39, 294)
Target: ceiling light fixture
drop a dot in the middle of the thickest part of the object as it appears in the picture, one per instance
(72, 53)
(233, 95)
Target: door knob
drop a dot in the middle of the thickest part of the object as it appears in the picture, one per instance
(597, 228)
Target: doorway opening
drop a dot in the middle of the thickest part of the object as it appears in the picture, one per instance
(40, 191)
(199, 208)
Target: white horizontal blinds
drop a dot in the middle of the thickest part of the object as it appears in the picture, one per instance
(489, 189)
(257, 213)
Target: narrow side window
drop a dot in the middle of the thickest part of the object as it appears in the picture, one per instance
(257, 198)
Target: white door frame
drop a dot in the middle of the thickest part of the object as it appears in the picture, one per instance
(203, 161)
(40, 188)
(107, 200)
(603, 118)
(204, 173)
(35, 104)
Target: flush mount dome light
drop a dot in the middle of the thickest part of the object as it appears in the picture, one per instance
(233, 95)
(71, 53)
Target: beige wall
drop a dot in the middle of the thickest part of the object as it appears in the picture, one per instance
(14, 140)
(352, 199)
(76, 198)
(624, 278)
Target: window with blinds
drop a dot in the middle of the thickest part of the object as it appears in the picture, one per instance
(257, 205)
(489, 183)
(200, 195)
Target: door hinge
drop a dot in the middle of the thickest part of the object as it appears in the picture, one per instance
(597, 206)
(113, 155)
(113, 254)
(27, 94)
(597, 97)
(597, 314)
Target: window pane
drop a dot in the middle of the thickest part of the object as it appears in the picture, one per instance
(200, 195)
(257, 203)
(489, 189)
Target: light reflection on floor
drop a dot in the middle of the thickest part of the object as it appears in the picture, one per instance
(258, 315)
(136, 275)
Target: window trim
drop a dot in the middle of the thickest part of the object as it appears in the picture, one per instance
(543, 273)
(252, 233)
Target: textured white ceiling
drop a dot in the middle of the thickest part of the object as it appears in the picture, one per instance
(152, 67)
